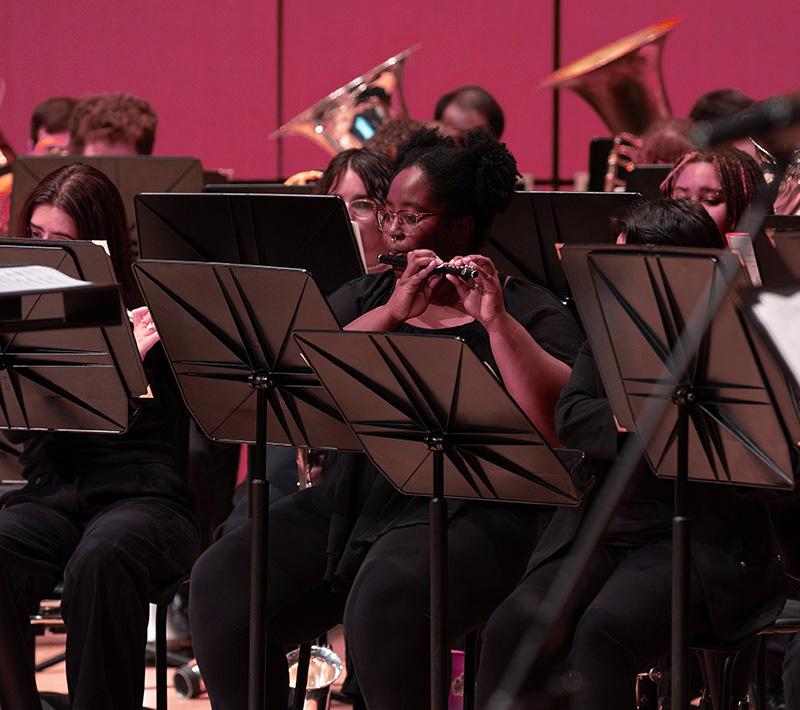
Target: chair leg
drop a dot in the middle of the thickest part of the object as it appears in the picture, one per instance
(303, 664)
(725, 682)
(470, 667)
(761, 677)
(161, 657)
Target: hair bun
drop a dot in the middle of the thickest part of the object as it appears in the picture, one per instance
(495, 169)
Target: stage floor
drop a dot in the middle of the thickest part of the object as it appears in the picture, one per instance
(53, 679)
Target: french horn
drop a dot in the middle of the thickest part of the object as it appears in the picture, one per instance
(623, 82)
(349, 116)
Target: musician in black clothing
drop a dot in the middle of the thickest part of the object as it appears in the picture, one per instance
(353, 548)
(621, 622)
(109, 513)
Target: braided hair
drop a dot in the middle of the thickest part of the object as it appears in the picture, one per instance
(740, 176)
(475, 180)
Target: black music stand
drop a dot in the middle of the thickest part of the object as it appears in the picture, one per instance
(522, 240)
(311, 232)
(647, 179)
(226, 330)
(64, 378)
(131, 174)
(411, 400)
(732, 419)
(259, 188)
(777, 250)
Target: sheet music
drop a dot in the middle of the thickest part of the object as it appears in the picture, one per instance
(742, 245)
(35, 279)
(780, 317)
(361, 253)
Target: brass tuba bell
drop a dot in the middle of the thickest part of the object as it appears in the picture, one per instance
(349, 116)
(622, 81)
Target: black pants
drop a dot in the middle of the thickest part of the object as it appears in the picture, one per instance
(110, 561)
(385, 613)
(620, 626)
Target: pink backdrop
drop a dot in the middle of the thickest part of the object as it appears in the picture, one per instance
(208, 66)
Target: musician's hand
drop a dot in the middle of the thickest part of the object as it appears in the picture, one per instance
(413, 289)
(144, 330)
(481, 297)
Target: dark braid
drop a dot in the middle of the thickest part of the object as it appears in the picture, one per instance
(740, 176)
(476, 180)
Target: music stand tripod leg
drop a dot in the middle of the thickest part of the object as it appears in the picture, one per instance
(681, 551)
(438, 572)
(259, 511)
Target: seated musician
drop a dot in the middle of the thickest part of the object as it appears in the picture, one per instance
(108, 513)
(724, 181)
(353, 548)
(49, 135)
(621, 623)
(360, 176)
(112, 124)
(466, 108)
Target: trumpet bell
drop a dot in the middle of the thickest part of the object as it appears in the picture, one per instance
(349, 116)
(622, 81)
(323, 671)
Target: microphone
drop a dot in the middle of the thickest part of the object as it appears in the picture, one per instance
(770, 115)
(463, 272)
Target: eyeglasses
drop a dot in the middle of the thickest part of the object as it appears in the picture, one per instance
(362, 208)
(408, 220)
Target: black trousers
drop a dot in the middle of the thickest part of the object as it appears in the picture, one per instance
(111, 560)
(621, 625)
(385, 613)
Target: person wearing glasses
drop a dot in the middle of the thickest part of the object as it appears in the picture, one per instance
(353, 549)
(360, 176)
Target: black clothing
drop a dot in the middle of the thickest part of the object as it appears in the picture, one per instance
(110, 513)
(355, 548)
(147, 460)
(384, 614)
(622, 621)
(367, 505)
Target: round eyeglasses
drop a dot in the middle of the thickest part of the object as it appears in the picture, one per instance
(408, 220)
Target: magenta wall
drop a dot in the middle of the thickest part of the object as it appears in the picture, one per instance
(208, 67)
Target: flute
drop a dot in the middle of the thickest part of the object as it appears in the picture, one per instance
(463, 272)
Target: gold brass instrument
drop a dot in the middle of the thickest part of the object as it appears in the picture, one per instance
(624, 83)
(332, 123)
(7, 153)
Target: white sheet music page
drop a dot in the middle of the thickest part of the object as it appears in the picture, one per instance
(741, 244)
(35, 279)
(779, 315)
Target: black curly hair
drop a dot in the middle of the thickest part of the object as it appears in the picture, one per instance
(476, 180)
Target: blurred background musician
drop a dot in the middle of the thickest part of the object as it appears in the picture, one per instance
(49, 135)
(723, 181)
(360, 176)
(111, 513)
(362, 552)
(622, 621)
(112, 124)
(468, 107)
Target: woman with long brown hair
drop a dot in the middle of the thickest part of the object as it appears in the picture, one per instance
(109, 513)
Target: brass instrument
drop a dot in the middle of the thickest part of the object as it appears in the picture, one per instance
(624, 83)
(323, 671)
(7, 153)
(344, 118)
